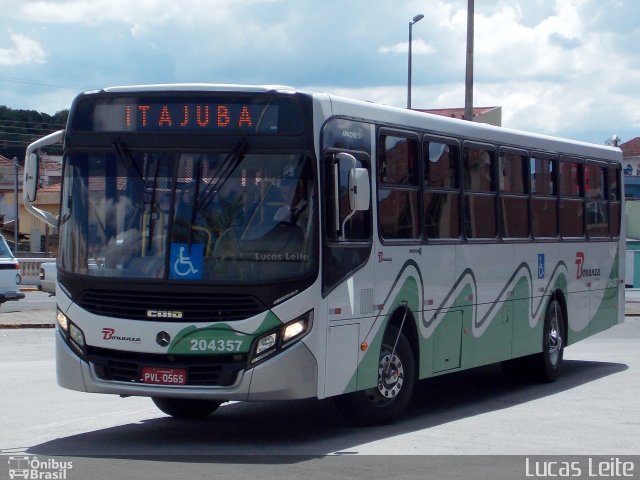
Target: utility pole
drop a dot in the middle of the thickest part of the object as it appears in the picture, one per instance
(468, 83)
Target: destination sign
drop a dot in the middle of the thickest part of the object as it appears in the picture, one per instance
(250, 115)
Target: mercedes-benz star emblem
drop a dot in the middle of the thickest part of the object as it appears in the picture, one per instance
(163, 339)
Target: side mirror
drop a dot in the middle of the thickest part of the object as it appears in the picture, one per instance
(359, 189)
(30, 181)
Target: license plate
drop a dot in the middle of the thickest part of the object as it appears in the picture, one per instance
(163, 376)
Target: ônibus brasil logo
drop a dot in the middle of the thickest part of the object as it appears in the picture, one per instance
(582, 271)
(109, 334)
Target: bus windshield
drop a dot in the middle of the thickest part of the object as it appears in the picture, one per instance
(209, 217)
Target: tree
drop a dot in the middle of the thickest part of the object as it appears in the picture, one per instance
(18, 128)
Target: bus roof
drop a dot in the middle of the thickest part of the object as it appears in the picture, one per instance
(200, 87)
(401, 117)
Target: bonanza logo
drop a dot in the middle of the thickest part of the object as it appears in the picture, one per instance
(582, 271)
(109, 334)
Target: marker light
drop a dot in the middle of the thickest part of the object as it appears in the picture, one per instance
(275, 341)
(265, 343)
(76, 335)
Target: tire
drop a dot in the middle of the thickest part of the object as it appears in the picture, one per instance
(396, 378)
(548, 364)
(545, 366)
(186, 407)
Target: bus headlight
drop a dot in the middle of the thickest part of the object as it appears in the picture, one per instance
(294, 329)
(63, 321)
(73, 335)
(275, 341)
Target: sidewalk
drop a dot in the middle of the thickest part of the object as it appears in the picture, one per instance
(632, 301)
(27, 319)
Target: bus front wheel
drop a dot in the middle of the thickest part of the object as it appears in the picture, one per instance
(186, 407)
(396, 378)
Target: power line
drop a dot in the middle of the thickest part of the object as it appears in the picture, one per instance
(30, 135)
(27, 81)
(19, 130)
(24, 122)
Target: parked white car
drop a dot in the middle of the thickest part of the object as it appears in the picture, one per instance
(48, 275)
(9, 274)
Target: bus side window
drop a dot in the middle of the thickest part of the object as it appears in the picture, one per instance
(514, 199)
(597, 213)
(544, 196)
(441, 199)
(480, 192)
(398, 187)
(571, 199)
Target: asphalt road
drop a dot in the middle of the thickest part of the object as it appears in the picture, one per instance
(591, 410)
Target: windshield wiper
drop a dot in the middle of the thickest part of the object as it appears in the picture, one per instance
(196, 196)
(125, 157)
(224, 172)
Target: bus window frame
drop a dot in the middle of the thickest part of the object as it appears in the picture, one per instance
(554, 195)
(618, 200)
(492, 149)
(580, 161)
(416, 188)
(457, 143)
(605, 200)
(526, 193)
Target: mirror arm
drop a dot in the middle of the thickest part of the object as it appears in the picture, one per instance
(29, 182)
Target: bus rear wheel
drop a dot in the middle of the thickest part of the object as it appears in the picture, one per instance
(387, 401)
(544, 366)
(186, 407)
(548, 363)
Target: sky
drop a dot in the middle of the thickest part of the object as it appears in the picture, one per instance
(569, 68)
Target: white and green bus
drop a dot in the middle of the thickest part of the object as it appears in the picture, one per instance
(238, 243)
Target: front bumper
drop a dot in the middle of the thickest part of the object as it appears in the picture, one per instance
(291, 374)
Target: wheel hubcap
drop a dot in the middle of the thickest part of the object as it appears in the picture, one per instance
(555, 341)
(390, 375)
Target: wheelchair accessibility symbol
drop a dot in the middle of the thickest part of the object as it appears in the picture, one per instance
(186, 262)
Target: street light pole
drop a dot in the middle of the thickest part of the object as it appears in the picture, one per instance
(415, 19)
(468, 81)
(16, 224)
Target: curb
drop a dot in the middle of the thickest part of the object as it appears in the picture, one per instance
(28, 288)
(12, 326)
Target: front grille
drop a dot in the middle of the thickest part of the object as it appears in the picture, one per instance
(195, 307)
(212, 371)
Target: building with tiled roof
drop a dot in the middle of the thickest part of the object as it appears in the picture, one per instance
(490, 115)
(43, 237)
(631, 148)
(631, 167)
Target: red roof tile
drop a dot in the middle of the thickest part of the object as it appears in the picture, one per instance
(455, 112)
(631, 148)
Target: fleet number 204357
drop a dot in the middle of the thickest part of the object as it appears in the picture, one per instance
(223, 346)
